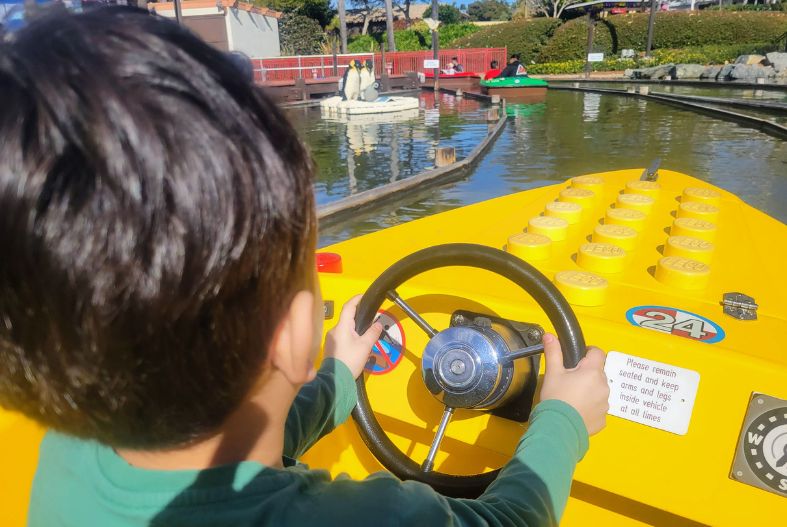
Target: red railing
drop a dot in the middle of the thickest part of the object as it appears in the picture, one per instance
(397, 63)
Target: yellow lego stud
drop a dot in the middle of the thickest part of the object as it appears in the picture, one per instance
(554, 228)
(688, 247)
(529, 246)
(582, 288)
(647, 188)
(628, 217)
(619, 235)
(601, 257)
(639, 202)
(703, 195)
(592, 183)
(571, 212)
(683, 273)
(694, 228)
(580, 196)
(698, 210)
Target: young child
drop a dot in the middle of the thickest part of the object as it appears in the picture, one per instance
(159, 309)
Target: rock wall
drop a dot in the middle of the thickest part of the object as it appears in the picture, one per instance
(745, 68)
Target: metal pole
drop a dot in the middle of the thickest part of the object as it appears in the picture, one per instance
(335, 63)
(591, 28)
(650, 27)
(435, 47)
(178, 12)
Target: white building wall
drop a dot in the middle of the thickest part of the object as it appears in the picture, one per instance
(255, 35)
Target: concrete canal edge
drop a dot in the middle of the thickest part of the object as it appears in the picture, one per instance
(337, 210)
(748, 121)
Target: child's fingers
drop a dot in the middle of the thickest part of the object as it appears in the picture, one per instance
(552, 354)
(372, 335)
(594, 358)
(348, 309)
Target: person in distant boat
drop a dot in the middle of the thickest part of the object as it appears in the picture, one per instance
(458, 68)
(493, 71)
(514, 68)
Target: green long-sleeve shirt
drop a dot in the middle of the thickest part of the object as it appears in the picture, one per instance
(82, 483)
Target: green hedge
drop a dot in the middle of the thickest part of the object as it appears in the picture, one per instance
(672, 30)
(526, 37)
(414, 39)
(698, 55)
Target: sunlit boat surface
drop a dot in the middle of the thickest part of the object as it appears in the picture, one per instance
(465, 80)
(383, 104)
(517, 89)
(645, 265)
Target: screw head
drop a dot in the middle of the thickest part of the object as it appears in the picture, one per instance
(457, 367)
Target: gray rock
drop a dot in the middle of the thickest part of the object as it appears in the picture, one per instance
(656, 72)
(749, 59)
(724, 73)
(710, 72)
(776, 59)
(751, 72)
(628, 73)
(780, 71)
(687, 71)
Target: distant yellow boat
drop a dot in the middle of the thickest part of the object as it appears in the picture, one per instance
(681, 282)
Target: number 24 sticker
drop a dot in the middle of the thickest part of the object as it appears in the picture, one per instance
(676, 322)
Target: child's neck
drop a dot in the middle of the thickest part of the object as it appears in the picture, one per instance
(254, 432)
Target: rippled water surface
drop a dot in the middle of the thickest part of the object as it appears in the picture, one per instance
(572, 133)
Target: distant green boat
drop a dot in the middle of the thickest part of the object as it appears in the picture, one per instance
(521, 88)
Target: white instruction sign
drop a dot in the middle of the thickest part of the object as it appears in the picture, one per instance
(651, 393)
(595, 57)
(430, 64)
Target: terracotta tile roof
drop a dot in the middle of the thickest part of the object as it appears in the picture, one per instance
(203, 4)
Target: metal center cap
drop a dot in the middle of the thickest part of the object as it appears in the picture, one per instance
(457, 367)
(460, 366)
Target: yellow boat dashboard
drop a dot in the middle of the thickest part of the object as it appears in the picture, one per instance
(679, 281)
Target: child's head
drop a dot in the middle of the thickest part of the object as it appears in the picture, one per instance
(493, 65)
(156, 218)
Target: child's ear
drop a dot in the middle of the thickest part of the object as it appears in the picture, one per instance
(291, 347)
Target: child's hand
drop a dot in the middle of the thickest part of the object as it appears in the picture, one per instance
(344, 344)
(584, 387)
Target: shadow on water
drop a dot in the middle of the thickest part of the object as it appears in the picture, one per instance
(577, 133)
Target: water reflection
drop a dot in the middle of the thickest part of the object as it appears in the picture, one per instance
(549, 143)
(359, 152)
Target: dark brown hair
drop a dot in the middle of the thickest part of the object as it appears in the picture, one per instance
(156, 218)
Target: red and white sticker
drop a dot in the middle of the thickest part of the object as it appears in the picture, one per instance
(676, 322)
(386, 352)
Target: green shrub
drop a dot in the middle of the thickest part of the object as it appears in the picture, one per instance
(451, 33)
(446, 13)
(362, 44)
(300, 35)
(526, 37)
(672, 30)
(698, 55)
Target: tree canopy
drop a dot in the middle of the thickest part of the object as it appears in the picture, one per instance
(483, 10)
(447, 14)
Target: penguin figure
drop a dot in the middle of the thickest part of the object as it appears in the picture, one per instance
(368, 85)
(352, 82)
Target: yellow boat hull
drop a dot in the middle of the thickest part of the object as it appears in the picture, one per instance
(633, 474)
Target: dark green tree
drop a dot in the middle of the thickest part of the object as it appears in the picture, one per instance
(448, 14)
(319, 10)
(483, 10)
(299, 35)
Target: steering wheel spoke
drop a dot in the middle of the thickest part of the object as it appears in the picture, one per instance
(394, 297)
(428, 463)
(523, 353)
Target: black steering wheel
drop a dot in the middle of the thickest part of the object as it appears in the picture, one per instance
(521, 273)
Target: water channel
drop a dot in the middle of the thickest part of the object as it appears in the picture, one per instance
(572, 133)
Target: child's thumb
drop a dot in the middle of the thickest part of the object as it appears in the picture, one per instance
(552, 354)
(372, 334)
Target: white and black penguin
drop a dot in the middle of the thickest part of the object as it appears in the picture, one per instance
(367, 76)
(352, 82)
